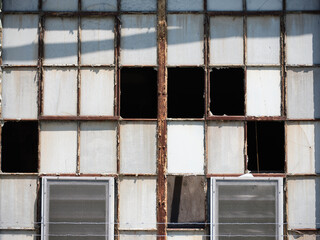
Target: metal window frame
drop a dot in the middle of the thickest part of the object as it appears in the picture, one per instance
(249, 180)
(45, 198)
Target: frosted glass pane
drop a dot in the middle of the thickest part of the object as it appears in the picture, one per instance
(185, 5)
(60, 5)
(303, 4)
(263, 5)
(225, 5)
(20, 5)
(138, 5)
(99, 5)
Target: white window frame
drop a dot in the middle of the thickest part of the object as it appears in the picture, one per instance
(45, 198)
(214, 203)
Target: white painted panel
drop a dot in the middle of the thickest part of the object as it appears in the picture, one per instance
(18, 204)
(20, 39)
(60, 41)
(97, 92)
(186, 147)
(138, 235)
(21, 235)
(303, 139)
(263, 40)
(303, 88)
(303, 203)
(58, 147)
(302, 236)
(97, 41)
(138, 147)
(303, 4)
(138, 5)
(226, 5)
(226, 147)
(138, 40)
(98, 147)
(197, 235)
(263, 92)
(185, 5)
(99, 5)
(303, 39)
(226, 40)
(137, 202)
(60, 5)
(263, 5)
(185, 39)
(60, 92)
(20, 93)
(20, 5)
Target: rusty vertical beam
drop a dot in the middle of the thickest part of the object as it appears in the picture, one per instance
(245, 84)
(78, 87)
(162, 123)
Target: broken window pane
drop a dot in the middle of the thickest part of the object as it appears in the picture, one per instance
(185, 39)
(99, 5)
(226, 40)
(185, 93)
(19, 151)
(263, 40)
(303, 39)
(138, 93)
(138, 40)
(97, 41)
(60, 41)
(263, 92)
(227, 91)
(20, 39)
(225, 5)
(138, 5)
(265, 146)
(186, 201)
(264, 5)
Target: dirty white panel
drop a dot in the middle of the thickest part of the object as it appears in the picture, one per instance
(187, 235)
(20, 39)
(14, 235)
(226, 147)
(226, 5)
(137, 203)
(97, 92)
(20, 5)
(98, 147)
(99, 5)
(303, 93)
(264, 5)
(185, 39)
(186, 147)
(60, 41)
(303, 203)
(20, 93)
(58, 147)
(138, 235)
(303, 39)
(60, 5)
(303, 4)
(138, 40)
(97, 41)
(138, 5)
(138, 147)
(18, 204)
(263, 40)
(263, 92)
(302, 236)
(60, 92)
(226, 40)
(185, 5)
(303, 155)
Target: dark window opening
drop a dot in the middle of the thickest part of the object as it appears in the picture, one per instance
(266, 146)
(186, 201)
(227, 91)
(19, 151)
(185, 93)
(138, 93)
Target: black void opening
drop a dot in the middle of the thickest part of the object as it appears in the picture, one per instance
(265, 146)
(227, 91)
(186, 201)
(185, 92)
(19, 151)
(138, 93)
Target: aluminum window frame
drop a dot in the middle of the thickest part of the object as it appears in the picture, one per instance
(45, 197)
(214, 201)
